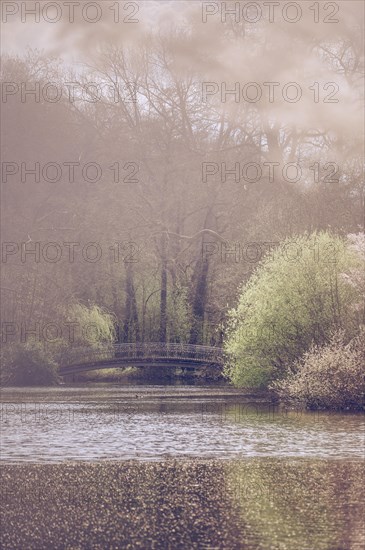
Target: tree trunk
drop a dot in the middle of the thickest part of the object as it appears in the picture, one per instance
(201, 286)
(131, 324)
(163, 292)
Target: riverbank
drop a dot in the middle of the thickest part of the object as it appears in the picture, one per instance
(190, 504)
(201, 375)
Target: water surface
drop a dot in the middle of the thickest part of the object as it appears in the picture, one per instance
(155, 422)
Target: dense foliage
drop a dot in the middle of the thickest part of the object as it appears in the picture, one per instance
(28, 363)
(299, 294)
(35, 361)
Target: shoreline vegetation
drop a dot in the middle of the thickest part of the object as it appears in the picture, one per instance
(174, 504)
(298, 331)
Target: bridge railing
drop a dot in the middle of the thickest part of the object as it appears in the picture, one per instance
(148, 350)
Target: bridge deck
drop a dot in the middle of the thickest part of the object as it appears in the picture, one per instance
(155, 354)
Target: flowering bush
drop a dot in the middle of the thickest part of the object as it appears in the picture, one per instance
(328, 377)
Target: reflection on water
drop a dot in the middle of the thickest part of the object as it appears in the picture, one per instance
(154, 422)
(257, 503)
(308, 504)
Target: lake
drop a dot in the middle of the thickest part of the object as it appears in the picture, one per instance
(149, 466)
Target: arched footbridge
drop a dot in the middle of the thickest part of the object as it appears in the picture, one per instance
(155, 354)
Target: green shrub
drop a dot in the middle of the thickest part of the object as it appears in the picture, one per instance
(328, 377)
(95, 327)
(28, 364)
(297, 296)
